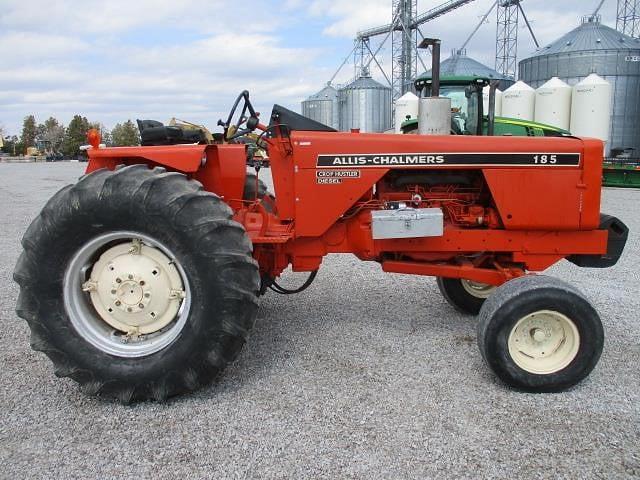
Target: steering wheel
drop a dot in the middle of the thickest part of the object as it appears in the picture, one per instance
(232, 131)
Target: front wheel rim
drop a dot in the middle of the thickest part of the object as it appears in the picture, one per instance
(544, 342)
(477, 289)
(136, 321)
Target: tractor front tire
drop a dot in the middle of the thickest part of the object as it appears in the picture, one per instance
(539, 334)
(137, 284)
(465, 296)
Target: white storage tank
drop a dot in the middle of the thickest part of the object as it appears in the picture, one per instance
(591, 108)
(485, 101)
(518, 101)
(553, 104)
(406, 106)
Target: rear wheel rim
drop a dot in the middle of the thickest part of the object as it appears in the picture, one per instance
(544, 342)
(126, 294)
(477, 289)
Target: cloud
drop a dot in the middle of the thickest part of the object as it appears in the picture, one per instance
(113, 17)
(118, 59)
(32, 47)
(122, 59)
(350, 17)
(221, 54)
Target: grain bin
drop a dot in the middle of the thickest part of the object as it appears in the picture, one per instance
(365, 104)
(518, 101)
(595, 48)
(590, 107)
(553, 104)
(323, 107)
(460, 65)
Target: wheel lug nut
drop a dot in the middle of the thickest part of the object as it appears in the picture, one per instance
(147, 295)
(130, 277)
(141, 305)
(118, 280)
(113, 292)
(129, 309)
(118, 303)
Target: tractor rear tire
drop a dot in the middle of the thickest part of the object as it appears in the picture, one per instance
(464, 295)
(197, 305)
(539, 334)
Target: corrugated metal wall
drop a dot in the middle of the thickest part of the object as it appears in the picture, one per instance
(323, 107)
(365, 104)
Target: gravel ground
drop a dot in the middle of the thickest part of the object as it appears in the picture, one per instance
(364, 375)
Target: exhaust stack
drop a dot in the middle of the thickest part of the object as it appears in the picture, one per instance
(434, 115)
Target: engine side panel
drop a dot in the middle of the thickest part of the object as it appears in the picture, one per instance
(332, 171)
(536, 200)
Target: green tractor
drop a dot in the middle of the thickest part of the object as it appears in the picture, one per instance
(467, 115)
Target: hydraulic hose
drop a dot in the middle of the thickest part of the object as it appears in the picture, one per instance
(285, 291)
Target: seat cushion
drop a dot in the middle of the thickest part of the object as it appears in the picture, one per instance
(153, 132)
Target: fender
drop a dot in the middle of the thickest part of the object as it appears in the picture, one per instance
(220, 168)
(179, 158)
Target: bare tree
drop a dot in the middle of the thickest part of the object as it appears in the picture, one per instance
(50, 134)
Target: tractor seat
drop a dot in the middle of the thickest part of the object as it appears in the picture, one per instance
(153, 132)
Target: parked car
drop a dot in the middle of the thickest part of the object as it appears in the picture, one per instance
(54, 157)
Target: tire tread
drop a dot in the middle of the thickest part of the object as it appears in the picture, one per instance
(173, 196)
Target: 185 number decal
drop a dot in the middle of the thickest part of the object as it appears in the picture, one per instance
(543, 159)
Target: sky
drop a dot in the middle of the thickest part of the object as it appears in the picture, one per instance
(114, 60)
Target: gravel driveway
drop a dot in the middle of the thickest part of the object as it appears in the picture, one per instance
(364, 375)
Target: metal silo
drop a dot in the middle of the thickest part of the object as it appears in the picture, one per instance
(365, 104)
(323, 107)
(596, 48)
(459, 65)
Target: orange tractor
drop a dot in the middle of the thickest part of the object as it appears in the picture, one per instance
(142, 279)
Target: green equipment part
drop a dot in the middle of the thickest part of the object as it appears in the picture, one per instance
(621, 172)
(466, 93)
